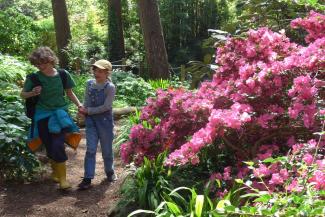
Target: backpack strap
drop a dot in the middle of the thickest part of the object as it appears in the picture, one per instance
(34, 78)
(36, 82)
(64, 77)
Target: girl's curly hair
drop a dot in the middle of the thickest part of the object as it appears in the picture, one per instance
(43, 55)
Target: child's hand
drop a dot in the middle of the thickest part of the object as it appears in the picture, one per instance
(37, 90)
(80, 115)
(82, 110)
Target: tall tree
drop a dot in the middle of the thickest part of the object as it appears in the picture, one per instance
(62, 30)
(116, 50)
(156, 54)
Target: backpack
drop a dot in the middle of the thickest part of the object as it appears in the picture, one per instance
(30, 103)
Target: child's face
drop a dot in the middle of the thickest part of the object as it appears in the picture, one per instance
(100, 74)
(44, 66)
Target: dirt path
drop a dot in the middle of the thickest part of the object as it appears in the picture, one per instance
(42, 198)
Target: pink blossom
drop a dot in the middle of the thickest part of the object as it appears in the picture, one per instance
(308, 158)
(294, 186)
(276, 179)
(321, 164)
(296, 148)
(261, 171)
(318, 179)
(284, 174)
(223, 193)
(215, 176)
(291, 141)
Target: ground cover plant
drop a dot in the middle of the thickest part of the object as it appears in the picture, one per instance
(17, 162)
(266, 98)
(131, 89)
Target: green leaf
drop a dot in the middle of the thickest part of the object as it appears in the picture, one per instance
(140, 211)
(199, 205)
(253, 210)
(179, 188)
(174, 208)
(320, 133)
(249, 163)
(250, 195)
(264, 198)
(318, 211)
(230, 208)
(266, 212)
(240, 181)
(222, 203)
(218, 183)
(160, 207)
(269, 160)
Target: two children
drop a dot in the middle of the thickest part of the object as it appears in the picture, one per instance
(52, 123)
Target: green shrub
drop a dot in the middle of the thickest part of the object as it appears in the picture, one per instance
(16, 161)
(151, 181)
(119, 75)
(13, 70)
(131, 89)
(88, 32)
(18, 32)
(46, 33)
(160, 84)
(125, 129)
(79, 90)
(177, 83)
(175, 204)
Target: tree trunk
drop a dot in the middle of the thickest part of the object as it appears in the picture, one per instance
(62, 30)
(156, 54)
(116, 50)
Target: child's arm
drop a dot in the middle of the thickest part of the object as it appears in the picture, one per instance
(34, 92)
(28, 89)
(73, 97)
(108, 104)
(83, 109)
(86, 97)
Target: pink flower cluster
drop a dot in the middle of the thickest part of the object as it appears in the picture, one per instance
(278, 176)
(258, 72)
(290, 174)
(314, 25)
(303, 93)
(266, 90)
(178, 118)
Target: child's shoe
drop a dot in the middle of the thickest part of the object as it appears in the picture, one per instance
(84, 184)
(112, 177)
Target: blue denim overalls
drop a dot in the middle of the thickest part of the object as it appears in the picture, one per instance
(99, 128)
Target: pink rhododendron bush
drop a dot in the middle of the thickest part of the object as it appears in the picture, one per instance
(265, 99)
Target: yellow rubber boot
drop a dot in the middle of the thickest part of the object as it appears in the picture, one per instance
(54, 175)
(62, 172)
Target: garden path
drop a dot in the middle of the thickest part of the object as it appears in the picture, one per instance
(41, 198)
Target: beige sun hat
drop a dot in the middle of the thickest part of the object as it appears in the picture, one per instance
(103, 64)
